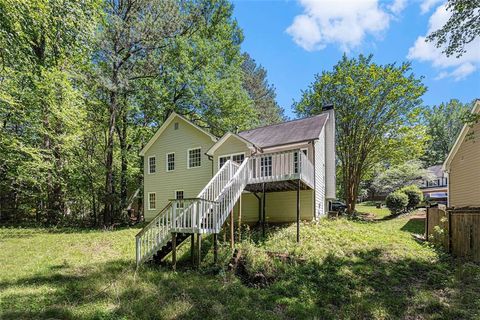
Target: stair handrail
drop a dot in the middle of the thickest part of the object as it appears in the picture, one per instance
(141, 232)
(227, 169)
(227, 199)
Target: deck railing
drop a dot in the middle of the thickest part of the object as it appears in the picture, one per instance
(208, 211)
(280, 166)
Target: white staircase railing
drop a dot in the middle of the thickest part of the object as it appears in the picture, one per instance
(208, 211)
(185, 215)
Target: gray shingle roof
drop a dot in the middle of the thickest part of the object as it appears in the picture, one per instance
(436, 170)
(287, 132)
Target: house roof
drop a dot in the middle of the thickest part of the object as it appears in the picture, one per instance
(287, 132)
(437, 170)
(162, 128)
(460, 138)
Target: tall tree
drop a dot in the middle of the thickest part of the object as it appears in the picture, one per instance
(372, 102)
(444, 123)
(46, 41)
(462, 27)
(261, 92)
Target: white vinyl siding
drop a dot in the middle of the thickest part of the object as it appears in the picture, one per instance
(152, 201)
(194, 158)
(152, 164)
(164, 183)
(170, 161)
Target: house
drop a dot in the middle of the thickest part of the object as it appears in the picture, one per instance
(435, 189)
(463, 166)
(193, 180)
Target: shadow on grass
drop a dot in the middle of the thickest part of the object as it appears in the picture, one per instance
(414, 225)
(364, 285)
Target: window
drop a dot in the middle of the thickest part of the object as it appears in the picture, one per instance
(170, 161)
(194, 158)
(238, 158)
(152, 166)
(296, 158)
(266, 166)
(179, 196)
(152, 201)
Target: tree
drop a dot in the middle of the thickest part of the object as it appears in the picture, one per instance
(47, 41)
(462, 27)
(396, 177)
(444, 123)
(261, 92)
(372, 102)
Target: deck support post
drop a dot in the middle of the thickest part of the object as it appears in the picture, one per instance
(215, 248)
(240, 218)
(174, 251)
(298, 211)
(199, 249)
(232, 231)
(192, 248)
(263, 210)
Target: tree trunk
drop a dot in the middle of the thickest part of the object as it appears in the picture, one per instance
(122, 134)
(109, 187)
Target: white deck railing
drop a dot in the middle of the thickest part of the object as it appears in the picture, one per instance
(208, 211)
(281, 166)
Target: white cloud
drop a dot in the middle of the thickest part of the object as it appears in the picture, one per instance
(457, 68)
(426, 5)
(345, 22)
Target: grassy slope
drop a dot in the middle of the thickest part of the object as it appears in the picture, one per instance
(346, 269)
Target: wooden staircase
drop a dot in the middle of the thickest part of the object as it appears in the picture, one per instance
(207, 213)
(167, 247)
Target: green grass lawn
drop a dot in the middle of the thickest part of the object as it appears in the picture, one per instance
(341, 269)
(379, 213)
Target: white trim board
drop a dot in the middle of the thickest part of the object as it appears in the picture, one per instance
(225, 138)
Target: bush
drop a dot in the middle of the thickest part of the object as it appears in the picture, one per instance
(414, 194)
(396, 202)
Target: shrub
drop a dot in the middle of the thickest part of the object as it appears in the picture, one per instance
(414, 194)
(396, 202)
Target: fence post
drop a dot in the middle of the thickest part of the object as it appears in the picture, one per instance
(450, 242)
(426, 223)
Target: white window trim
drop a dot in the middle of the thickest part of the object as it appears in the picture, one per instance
(304, 149)
(175, 196)
(188, 158)
(148, 161)
(229, 155)
(148, 200)
(166, 161)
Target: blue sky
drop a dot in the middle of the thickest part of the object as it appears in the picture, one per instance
(294, 40)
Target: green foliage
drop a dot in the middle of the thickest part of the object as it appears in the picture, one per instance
(84, 85)
(395, 177)
(414, 194)
(461, 28)
(397, 202)
(377, 112)
(261, 92)
(444, 123)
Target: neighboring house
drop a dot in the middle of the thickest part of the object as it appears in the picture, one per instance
(463, 166)
(278, 173)
(435, 189)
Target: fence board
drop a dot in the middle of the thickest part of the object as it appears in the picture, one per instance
(460, 235)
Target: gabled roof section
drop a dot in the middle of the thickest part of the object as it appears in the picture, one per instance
(287, 132)
(225, 138)
(167, 122)
(460, 138)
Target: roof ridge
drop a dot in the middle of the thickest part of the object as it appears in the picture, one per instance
(288, 121)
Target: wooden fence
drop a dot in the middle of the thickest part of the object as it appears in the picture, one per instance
(457, 230)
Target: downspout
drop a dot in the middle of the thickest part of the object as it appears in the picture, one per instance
(211, 159)
(314, 180)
